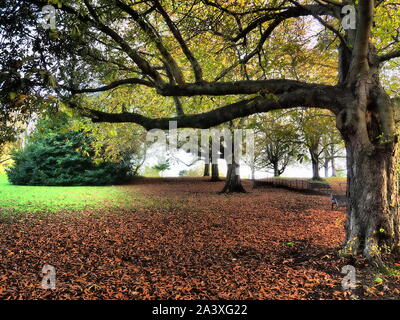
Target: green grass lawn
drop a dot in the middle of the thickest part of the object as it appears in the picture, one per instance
(55, 199)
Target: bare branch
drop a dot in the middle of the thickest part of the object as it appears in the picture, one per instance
(293, 12)
(143, 64)
(178, 106)
(363, 33)
(257, 50)
(335, 3)
(309, 98)
(170, 62)
(238, 13)
(195, 65)
(5, 160)
(273, 86)
(113, 85)
(325, 24)
(389, 56)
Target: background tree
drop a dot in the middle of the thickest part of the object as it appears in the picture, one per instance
(276, 143)
(333, 149)
(206, 172)
(214, 164)
(64, 159)
(316, 129)
(209, 164)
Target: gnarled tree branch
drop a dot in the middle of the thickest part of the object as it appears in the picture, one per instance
(328, 97)
(363, 33)
(170, 62)
(142, 63)
(273, 86)
(113, 85)
(389, 56)
(175, 31)
(293, 12)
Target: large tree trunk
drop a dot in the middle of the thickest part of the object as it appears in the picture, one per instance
(372, 226)
(233, 182)
(206, 170)
(215, 172)
(368, 128)
(373, 221)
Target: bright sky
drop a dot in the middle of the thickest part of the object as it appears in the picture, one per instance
(154, 155)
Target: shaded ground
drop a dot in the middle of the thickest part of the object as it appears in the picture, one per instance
(184, 241)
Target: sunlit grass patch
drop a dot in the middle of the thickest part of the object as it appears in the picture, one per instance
(55, 199)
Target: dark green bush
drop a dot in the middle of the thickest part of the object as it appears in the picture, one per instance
(64, 159)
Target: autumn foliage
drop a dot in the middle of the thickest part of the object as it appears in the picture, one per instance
(183, 241)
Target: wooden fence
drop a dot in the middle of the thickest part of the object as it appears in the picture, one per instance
(297, 184)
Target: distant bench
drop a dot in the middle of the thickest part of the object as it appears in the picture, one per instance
(338, 200)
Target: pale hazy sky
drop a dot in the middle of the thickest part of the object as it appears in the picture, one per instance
(154, 154)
